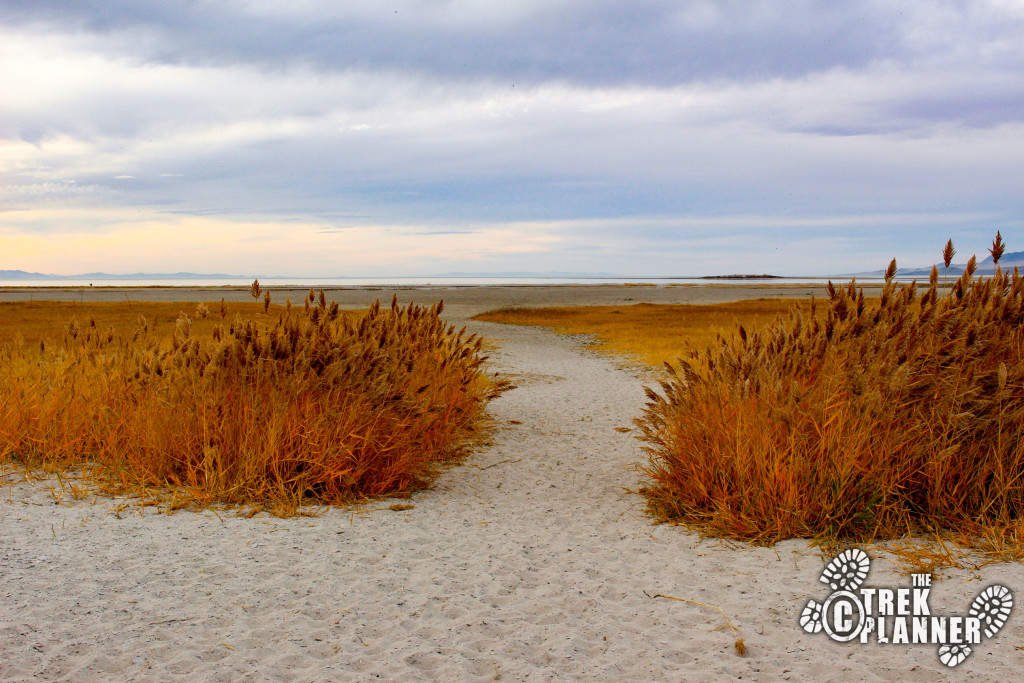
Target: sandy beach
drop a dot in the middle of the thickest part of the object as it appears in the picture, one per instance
(530, 561)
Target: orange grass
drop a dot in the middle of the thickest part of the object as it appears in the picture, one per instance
(868, 424)
(850, 420)
(32, 321)
(269, 410)
(650, 333)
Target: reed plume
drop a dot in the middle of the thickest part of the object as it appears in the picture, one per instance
(317, 404)
(875, 420)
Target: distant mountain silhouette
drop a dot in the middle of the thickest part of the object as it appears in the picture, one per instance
(23, 275)
(985, 267)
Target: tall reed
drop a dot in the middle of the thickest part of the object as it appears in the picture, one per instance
(876, 420)
(314, 404)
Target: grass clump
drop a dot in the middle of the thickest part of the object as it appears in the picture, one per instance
(258, 411)
(648, 333)
(870, 423)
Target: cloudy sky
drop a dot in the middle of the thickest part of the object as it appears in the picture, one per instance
(409, 137)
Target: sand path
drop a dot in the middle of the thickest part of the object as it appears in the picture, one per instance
(528, 562)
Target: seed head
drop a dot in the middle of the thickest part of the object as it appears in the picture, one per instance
(890, 271)
(997, 248)
(948, 253)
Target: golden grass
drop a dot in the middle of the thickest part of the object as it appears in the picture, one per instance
(859, 421)
(271, 409)
(868, 425)
(651, 333)
(45, 320)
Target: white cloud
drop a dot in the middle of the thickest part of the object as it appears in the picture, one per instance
(543, 143)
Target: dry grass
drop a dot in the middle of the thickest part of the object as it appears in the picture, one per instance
(45, 320)
(894, 417)
(650, 333)
(867, 425)
(269, 410)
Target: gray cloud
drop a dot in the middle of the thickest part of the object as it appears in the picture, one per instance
(656, 42)
(456, 118)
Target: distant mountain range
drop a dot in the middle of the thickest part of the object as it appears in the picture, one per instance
(985, 267)
(23, 275)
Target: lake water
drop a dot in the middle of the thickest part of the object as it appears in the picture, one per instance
(328, 283)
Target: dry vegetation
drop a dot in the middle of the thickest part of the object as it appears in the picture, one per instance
(868, 425)
(857, 419)
(268, 410)
(29, 322)
(650, 333)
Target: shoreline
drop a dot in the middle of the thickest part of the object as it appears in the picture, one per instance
(478, 298)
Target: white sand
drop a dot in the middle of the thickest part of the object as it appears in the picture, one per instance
(528, 562)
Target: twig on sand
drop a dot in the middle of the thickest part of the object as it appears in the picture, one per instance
(500, 462)
(741, 649)
(170, 621)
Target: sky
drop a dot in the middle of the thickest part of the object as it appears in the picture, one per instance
(319, 138)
